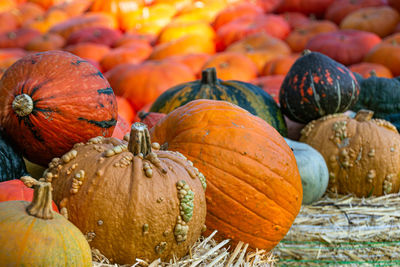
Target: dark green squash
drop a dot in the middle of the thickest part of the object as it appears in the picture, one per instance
(246, 95)
(316, 86)
(381, 95)
(12, 165)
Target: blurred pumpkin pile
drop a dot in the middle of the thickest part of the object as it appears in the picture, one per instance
(151, 123)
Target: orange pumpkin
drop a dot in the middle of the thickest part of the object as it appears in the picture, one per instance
(254, 189)
(339, 9)
(379, 20)
(386, 53)
(298, 38)
(237, 29)
(295, 19)
(18, 38)
(345, 46)
(125, 110)
(72, 8)
(366, 69)
(194, 61)
(134, 53)
(260, 48)
(176, 30)
(308, 7)
(143, 83)
(45, 42)
(91, 51)
(232, 66)
(280, 65)
(8, 22)
(99, 35)
(185, 45)
(46, 113)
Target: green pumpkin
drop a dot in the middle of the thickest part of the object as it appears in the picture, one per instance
(313, 170)
(12, 165)
(246, 95)
(382, 96)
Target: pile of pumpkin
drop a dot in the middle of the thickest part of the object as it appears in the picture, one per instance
(140, 191)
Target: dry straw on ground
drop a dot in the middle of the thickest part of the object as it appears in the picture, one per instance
(344, 230)
(206, 252)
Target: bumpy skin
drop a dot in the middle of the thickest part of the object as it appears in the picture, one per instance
(254, 188)
(362, 154)
(316, 86)
(12, 165)
(33, 241)
(246, 95)
(72, 102)
(126, 213)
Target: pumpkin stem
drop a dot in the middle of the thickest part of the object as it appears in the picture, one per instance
(209, 76)
(306, 52)
(41, 205)
(372, 73)
(29, 181)
(22, 105)
(364, 115)
(139, 140)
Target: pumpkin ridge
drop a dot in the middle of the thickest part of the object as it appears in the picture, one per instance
(221, 221)
(27, 233)
(211, 165)
(220, 147)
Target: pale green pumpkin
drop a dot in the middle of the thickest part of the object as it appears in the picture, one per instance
(313, 170)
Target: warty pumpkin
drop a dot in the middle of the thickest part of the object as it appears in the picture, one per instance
(37, 236)
(254, 188)
(316, 86)
(46, 113)
(245, 95)
(132, 199)
(362, 154)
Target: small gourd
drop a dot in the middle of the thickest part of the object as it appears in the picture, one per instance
(313, 170)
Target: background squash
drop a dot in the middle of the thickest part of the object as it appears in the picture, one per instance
(12, 164)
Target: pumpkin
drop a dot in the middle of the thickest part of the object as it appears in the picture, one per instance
(345, 46)
(18, 38)
(381, 95)
(98, 35)
(367, 69)
(8, 22)
(260, 48)
(194, 61)
(176, 29)
(316, 86)
(19, 189)
(45, 113)
(86, 20)
(253, 185)
(28, 11)
(91, 51)
(279, 65)
(45, 42)
(379, 20)
(234, 11)
(46, 3)
(239, 28)
(150, 118)
(232, 66)
(339, 9)
(143, 83)
(156, 198)
(183, 46)
(201, 11)
(45, 22)
(37, 236)
(245, 95)
(72, 8)
(295, 19)
(386, 53)
(313, 171)
(12, 165)
(362, 154)
(299, 36)
(308, 7)
(125, 109)
(135, 53)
